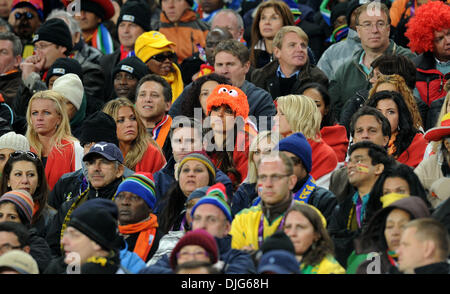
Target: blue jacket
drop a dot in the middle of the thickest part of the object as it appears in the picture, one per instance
(165, 177)
(232, 261)
(243, 197)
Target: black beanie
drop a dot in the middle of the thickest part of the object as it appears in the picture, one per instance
(133, 66)
(338, 10)
(136, 12)
(63, 66)
(351, 6)
(55, 31)
(97, 224)
(279, 240)
(98, 127)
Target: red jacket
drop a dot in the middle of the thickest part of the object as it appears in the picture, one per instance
(324, 159)
(414, 154)
(152, 161)
(336, 137)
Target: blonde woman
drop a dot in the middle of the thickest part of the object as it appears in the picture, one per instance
(299, 113)
(445, 108)
(140, 151)
(49, 135)
(397, 83)
(262, 144)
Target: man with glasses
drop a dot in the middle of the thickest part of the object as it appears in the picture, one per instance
(373, 28)
(276, 180)
(25, 18)
(367, 162)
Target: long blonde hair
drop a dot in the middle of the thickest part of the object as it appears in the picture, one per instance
(252, 173)
(62, 132)
(400, 84)
(302, 114)
(139, 145)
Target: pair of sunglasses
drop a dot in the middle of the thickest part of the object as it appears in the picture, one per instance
(28, 15)
(29, 154)
(165, 55)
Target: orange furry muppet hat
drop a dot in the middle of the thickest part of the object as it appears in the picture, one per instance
(231, 96)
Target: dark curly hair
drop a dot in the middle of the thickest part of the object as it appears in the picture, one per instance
(323, 246)
(192, 101)
(406, 131)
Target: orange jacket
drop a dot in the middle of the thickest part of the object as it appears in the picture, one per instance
(152, 161)
(186, 33)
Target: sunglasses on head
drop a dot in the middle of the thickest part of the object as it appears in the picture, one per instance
(165, 55)
(29, 154)
(28, 15)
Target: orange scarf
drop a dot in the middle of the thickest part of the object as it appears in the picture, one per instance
(146, 237)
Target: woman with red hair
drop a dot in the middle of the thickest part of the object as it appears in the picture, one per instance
(429, 35)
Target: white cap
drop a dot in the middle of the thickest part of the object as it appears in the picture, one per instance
(20, 261)
(71, 87)
(14, 141)
(439, 191)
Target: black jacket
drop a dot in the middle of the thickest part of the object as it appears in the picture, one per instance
(54, 232)
(267, 79)
(39, 250)
(108, 62)
(9, 84)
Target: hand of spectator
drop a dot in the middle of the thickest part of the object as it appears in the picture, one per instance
(33, 63)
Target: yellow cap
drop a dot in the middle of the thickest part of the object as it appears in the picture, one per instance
(390, 198)
(150, 44)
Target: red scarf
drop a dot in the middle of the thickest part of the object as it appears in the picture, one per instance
(146, 237)
(123, 53)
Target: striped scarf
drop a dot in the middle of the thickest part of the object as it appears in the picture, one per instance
(102, 40)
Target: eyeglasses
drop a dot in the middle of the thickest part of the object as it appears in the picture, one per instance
(28, 15)
(368, 25)
(42, 46)
(273, 178)
(196, 254)
(29, 154)
(8, 247)
(165, 55)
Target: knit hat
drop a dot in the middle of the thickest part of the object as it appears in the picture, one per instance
(437, 133)
(133, 66)
(108, 150)
(217, 196)
(351, 6)
(62, 66)
(199, 156)
(298, 145)
(22, 199)
(338, 10)
(38, 5)
(71, 87)
(102, 204)
(198, 193)
(141, 184)
(232, 96)
(14, 141)
(19, 261)
(150, 44)
(278, 241)
(198, 237)
(279, 262)
(55, 31)
(97, 127)
(136, 12)
(97, 224)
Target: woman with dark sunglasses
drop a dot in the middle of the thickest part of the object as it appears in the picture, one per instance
(156, 51)
(25, 171)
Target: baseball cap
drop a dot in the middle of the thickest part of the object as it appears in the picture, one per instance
(108, 150)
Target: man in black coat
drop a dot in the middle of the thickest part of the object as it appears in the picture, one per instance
(292, 68)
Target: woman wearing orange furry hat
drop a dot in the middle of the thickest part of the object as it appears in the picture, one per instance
(228, 142)
(429, 35)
